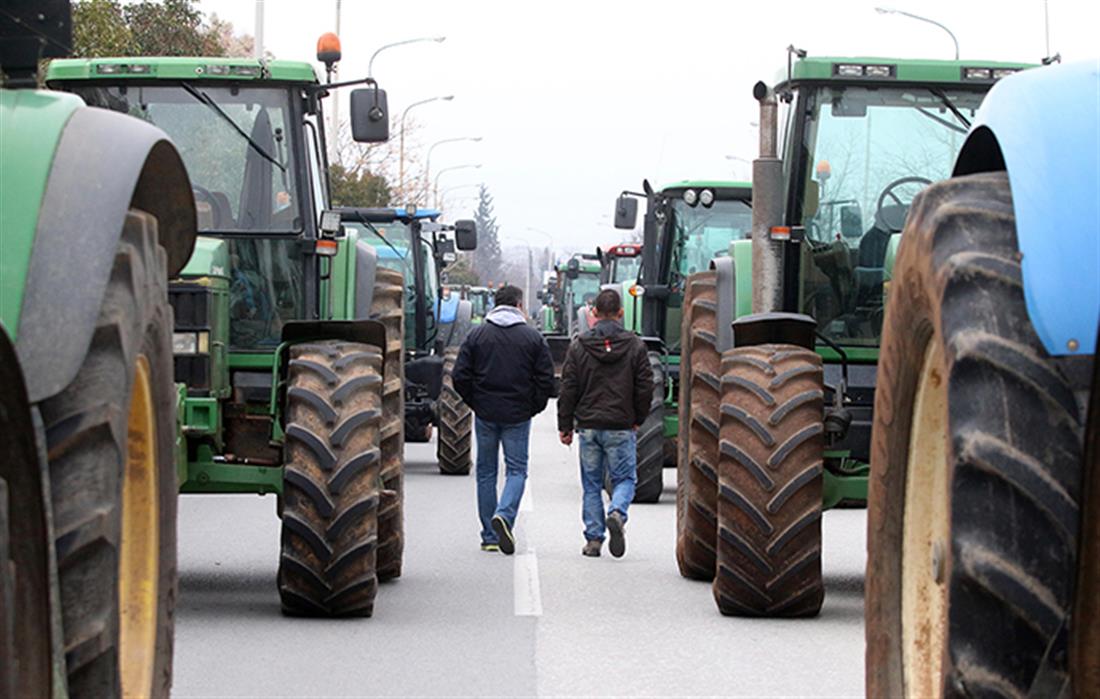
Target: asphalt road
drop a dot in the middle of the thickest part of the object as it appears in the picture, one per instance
(546, 622)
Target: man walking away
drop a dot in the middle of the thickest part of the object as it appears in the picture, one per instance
(505, 374)
(606, 388)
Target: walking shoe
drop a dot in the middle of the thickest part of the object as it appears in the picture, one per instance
(592, 548)
(615, 525)
(505, 540)
(490, 547)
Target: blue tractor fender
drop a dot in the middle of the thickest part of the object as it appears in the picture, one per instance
(1042, 127)
(448, 309)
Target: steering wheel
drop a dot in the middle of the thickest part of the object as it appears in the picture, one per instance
(889, 192)
(215, 207)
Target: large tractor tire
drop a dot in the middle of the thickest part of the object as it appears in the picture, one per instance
(110, 438)
(651, 439)
(331, 484)
(975, 463)
(700, 396)
(1085, 630)
(453, 450)
(388, 307)
(27, 613)
(770, 482)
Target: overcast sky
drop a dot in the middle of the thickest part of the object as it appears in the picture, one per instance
(579, 100)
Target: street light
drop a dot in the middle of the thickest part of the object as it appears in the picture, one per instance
(435, 189)
(401, 157)
(910, 15)
(370, 65)
(428, 165)
(550, 239)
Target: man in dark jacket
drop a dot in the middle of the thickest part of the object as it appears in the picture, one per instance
(606, 388)
(505, 374)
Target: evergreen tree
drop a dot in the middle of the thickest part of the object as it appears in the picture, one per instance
(487, 258)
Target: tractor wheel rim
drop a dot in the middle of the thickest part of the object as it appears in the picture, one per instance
(926, 533)
(138, 574)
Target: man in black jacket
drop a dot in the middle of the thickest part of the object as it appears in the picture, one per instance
(505, 374)
(606, 388)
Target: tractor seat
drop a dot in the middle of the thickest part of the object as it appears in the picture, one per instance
(872, 253)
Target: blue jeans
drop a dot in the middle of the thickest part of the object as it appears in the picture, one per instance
(491, 436)
(612, 451)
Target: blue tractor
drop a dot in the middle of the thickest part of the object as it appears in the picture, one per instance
(983, 577)
(413, 243)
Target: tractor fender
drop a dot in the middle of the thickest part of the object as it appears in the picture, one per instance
(1042, 127)
(726, 288)
(460, 326)
(366, 269)
(105, 164)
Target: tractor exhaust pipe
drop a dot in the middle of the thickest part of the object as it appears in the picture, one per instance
(767, 209)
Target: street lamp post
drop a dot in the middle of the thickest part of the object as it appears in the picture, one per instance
(910, 15)
(550, 239)
(401, 148)
(370, 64)
(442, 203)
(428, 164)
(435, 189)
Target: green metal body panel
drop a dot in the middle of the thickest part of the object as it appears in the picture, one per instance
(31, 124)
(338, 291)
(632, 307)
(179, 68)
(705, 184)
(205, 475)
(846, 487)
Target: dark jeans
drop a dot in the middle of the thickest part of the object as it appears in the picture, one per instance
(491, 436)
(612, 452)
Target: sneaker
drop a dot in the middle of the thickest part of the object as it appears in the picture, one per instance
(490, 547)
(505, 540)
(615, 525)
(592, 548)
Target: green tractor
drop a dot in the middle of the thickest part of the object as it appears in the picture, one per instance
(95, 215)
(435, 323)
(620, 266)
(687, 225)
(781, 339)
(288, 333)
(481, 302)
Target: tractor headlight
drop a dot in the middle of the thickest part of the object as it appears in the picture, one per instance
(706, 197)
(190, 343)
(691, 197)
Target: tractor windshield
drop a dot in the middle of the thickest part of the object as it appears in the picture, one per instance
(235, 145)
(703, 233)
(584, 289)
(625, 269)
(866, 152)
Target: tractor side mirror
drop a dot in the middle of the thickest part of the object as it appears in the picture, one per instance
(370, 116)
(446, 251)
(466, 235)
(626, 212)
(573, 269)
(538, 295)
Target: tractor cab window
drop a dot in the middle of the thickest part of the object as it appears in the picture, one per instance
(868, 152)
(625, 269)
(235, 143)
(265, 290)
(704, 233)
(584, 289)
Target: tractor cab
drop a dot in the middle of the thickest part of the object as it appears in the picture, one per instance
(620, 263)
(579, 288)
(859, 138)
(687, 224)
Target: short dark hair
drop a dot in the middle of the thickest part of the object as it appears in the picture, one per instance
(608, 303)
(508, 295)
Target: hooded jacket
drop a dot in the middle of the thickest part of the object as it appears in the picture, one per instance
(606, 381)
(504, 371)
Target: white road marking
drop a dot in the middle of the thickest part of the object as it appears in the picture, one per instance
(528, 598)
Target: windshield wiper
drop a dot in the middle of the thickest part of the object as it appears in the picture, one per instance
(209, 102)
(950, 106)
(370, 227)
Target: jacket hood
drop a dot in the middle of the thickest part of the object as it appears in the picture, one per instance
(505, 316)
(608, 342)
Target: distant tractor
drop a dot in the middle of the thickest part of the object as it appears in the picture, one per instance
(95, 215)
(287, 330)
(687, 225)
(620, 266)
(481, 302)
(780, 339)
(983, 576)
(435, 323)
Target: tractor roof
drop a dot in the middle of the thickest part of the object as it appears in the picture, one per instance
(717, 185)
(179, 68)
(887, 70)
(385, 215)
(624, 250)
